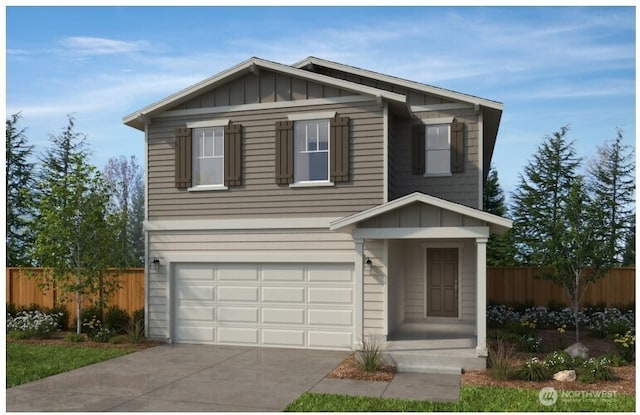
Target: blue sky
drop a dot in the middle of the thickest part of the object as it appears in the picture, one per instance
(549, 66)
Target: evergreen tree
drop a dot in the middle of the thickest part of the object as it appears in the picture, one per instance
(137, 219)
(556, 224)
(613, 186)
(75, 233)
(20, 196)
(539, 200)
(500, 248)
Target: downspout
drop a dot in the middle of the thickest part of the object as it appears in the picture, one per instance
(144, 228)
(479, 113)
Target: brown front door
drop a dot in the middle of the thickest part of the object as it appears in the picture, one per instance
(442, 282)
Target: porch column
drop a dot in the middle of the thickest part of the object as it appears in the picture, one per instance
(481, 301)
(359, 303)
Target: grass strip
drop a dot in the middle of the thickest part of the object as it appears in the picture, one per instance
(29, 362)
(472, 399)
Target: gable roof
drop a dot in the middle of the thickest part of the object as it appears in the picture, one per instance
(136, 118)
(312, 61)
(398, 101)
(496, 223)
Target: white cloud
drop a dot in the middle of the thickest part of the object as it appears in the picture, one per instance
(93, 46)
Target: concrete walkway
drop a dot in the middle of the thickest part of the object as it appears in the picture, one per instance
(198, 378)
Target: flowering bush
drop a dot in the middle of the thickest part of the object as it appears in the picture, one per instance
(626, 345)
(596, 369)
(558, 361)
(533, 370)
(95, 331)
(611, 322)
(33, 324)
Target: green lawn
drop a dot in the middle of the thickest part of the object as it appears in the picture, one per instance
(29, 362)
(472, 399)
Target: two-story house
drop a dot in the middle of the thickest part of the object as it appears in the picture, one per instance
(307, 206)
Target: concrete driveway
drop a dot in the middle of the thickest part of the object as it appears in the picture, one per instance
(172, 378)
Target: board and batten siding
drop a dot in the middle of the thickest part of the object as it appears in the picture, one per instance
(459, 187)
(294, 245)
(259, 195)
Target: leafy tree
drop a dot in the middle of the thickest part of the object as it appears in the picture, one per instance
(500, 248)
(556, 225)
(613, 186)
(75, 233)
(20, 197)
(126, 177)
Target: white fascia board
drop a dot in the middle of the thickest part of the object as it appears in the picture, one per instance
(446, 232)
(458, 96)
(501, 223)
(133, 119)
(238, 224)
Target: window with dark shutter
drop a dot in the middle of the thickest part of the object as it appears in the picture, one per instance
(457, 147)
(339, 149)
(233, 155)
(284, 152)
(418, 148)
(183, 157)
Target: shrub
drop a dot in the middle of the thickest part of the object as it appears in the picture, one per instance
(555, 306)
(61, 315)
(90, 314)
(559, 360)
(33, 324)
(95, 331)
(135, 331)
(74, 337)
(626, 345)
(533, 370)
(596, 370)
(371, 357)
(500, 358)
(116, 320)
(530, 344)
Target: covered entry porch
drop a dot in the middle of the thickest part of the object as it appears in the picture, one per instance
(420, 272)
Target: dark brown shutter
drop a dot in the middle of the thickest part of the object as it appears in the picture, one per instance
(183, 157)
(457, 147)
(284, 152)
(339, 149)
(418, 148)
(233, 155)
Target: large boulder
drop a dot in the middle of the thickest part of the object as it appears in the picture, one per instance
(578, 350)
(565, 376)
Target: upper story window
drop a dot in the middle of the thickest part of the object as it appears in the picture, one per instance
(311, 151)
(438, 147)
(208, 156)
(437, 150)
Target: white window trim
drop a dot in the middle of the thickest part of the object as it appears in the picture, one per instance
(436, 121)
(209, 124)
(308, 116)
(311, 116)
(432, 122)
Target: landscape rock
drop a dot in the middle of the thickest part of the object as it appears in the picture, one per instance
(565, 376)
(578, 350)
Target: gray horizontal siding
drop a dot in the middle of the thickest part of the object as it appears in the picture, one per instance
(260, 195)
(460, 187)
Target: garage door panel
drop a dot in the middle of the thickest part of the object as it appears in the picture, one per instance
(235, 335)
(330, 317)
(238, 314)
(325, 295)
(328, 272)
(293, 338)
(283, 294)
(283, 315)
(274, 304)
(195, 292)
(196, 334)
(200, 312)
(237, 272)
(237, 293)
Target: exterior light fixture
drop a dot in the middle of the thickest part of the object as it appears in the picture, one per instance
(155, 264)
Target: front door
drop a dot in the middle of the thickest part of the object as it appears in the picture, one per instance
(442, 282)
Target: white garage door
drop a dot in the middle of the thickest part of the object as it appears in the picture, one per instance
(280, 305)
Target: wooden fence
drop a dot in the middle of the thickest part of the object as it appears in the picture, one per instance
(519, 285)
(23, 290)
(504, 285)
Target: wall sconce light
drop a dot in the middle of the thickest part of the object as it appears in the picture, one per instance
(155, 264)
(367, 262)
